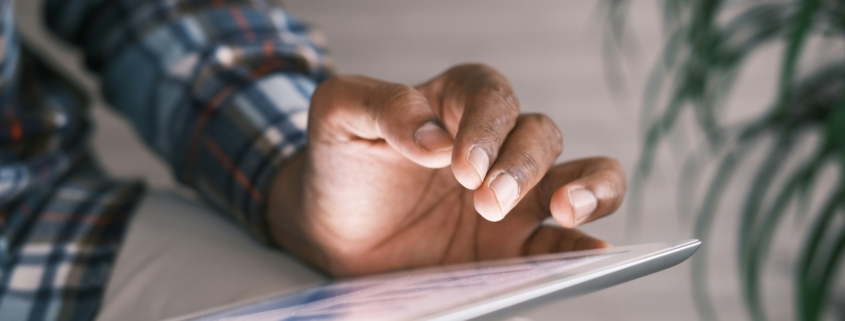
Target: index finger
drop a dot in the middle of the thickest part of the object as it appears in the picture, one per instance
(478, 106)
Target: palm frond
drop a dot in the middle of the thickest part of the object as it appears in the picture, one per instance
(759, 241)
(701, 58)
(809, 299)
(749, 218)
(799, 33)
(703, 225)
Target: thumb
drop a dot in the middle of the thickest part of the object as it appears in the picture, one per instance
(349, 107)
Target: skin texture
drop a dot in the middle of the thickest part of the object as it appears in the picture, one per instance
(374, 192)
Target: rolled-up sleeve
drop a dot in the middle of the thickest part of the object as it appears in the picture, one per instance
(220, 89)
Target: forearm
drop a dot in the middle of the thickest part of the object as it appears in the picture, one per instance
(219, 89)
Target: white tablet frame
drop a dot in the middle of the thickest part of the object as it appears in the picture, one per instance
(628, 263)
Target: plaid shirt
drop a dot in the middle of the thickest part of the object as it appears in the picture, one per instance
(218, 88)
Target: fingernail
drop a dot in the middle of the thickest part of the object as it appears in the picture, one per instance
(583, 203)
(433, 138)
(480, 161)
(506, 190)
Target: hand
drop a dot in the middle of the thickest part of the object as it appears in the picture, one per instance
(374, 190)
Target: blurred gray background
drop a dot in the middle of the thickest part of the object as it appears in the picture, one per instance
(551, 51)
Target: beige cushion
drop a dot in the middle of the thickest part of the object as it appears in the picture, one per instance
(181, 257)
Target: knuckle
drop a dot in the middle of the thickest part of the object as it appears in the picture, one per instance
(536, 118)
(472, 67)
(613, 180)
(547, 129)
(610, 168)
(541, 121)
(526, 167)
(323, 100)
(327, 92)
(499, 94)
(333, 83)
(485, 87)
(400, 95)
(609, 163)
(612, 195)
(489, 133)
(335, 79)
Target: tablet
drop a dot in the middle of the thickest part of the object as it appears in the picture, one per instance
(463, 291)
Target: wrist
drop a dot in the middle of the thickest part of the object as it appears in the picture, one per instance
(285, 215)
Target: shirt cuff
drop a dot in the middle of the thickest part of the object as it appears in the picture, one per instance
(235, 159)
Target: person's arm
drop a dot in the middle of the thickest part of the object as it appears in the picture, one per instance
(394, 176)
(219, 88)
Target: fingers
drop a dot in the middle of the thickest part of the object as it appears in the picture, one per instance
(356, 107)
(582, 191)
(552, 239)
(477, 104)
(531, 148)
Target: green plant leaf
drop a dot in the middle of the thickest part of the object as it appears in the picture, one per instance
(798, 34)
(613, 45)
(697, 70)
(759, 244)
(822, 285)
(749, 219)
(703, 225)
(759, 187)
(808, 299)
(645, 163)
(690, 176)
(654, 85)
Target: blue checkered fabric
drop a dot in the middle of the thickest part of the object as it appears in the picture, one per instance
(220, 89)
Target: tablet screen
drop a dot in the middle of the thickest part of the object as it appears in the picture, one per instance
(403, 296)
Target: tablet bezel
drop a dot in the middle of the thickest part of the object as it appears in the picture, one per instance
(630, 262)
(630, 259)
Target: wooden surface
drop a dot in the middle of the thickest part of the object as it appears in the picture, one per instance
(551, 51)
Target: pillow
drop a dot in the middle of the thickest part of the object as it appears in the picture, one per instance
(179, 256)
